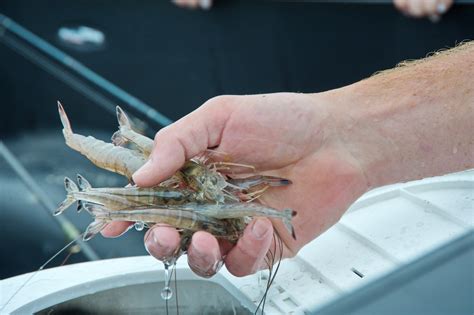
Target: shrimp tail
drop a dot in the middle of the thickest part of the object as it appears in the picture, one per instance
(72, 139)
(288, 215)
(80, 206)
(276, 181)
(95, 227)
(64, 120)
(100, 220)
(122, 118)
(84, 185)
(71, 188)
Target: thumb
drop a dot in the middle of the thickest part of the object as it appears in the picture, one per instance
(184, 139)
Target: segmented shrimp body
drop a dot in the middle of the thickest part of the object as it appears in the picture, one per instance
(122, 197)
(180, 219)
(104, 155)
(238, 210)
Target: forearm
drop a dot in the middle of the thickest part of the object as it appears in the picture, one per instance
(414, 121)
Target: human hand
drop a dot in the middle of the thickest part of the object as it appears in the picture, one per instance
(289, 135)
(424, 8)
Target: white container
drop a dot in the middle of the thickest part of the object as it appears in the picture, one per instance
(384, 229)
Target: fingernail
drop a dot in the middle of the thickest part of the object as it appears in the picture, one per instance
(204, 265)
(145, 169)
(441, 8)
(205, 4)
(260, 229)
(197, 251)
(155, 246)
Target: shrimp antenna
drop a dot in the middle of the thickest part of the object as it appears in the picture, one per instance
(270, 261)
(39, 269)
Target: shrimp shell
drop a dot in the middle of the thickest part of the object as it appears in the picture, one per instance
(126, 134)
(180, 219)
(104, 155)
(234, 211)
(122, 197)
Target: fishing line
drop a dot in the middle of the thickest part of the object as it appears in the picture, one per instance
(41, 268)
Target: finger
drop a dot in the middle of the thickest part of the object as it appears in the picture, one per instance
(415, 8)
(183, 140)
(429, 7)
(162, 242)
(401, 5)
(204, 255)
(115, 229)
(190, 4)
(248, 255)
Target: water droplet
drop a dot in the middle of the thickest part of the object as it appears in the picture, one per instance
(455, 150)
(166, 293)
(139, 225)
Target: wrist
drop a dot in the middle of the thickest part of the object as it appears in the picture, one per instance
(410, 122)
(363, 115)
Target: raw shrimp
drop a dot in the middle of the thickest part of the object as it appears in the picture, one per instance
(180, 219)
(251, 188)
(105, 155)
(200, 173)
(122, 197)
(247, 183)
(238, 210)
(208, 183)
(215, 186)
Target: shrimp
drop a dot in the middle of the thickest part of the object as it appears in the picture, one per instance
(104, 155)
(251, 188)
(208, 183)
(180, 219)
(199, 173)
(215, 186)
(126, 133)
(239, 210)
(122, 197)
(247, 183)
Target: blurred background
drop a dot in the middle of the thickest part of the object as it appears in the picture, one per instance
(155, 55)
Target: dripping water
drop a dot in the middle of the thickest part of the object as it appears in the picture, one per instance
(139, 225)
(166, 292)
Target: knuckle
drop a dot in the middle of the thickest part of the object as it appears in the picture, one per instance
(221, 100)
(161, 133)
